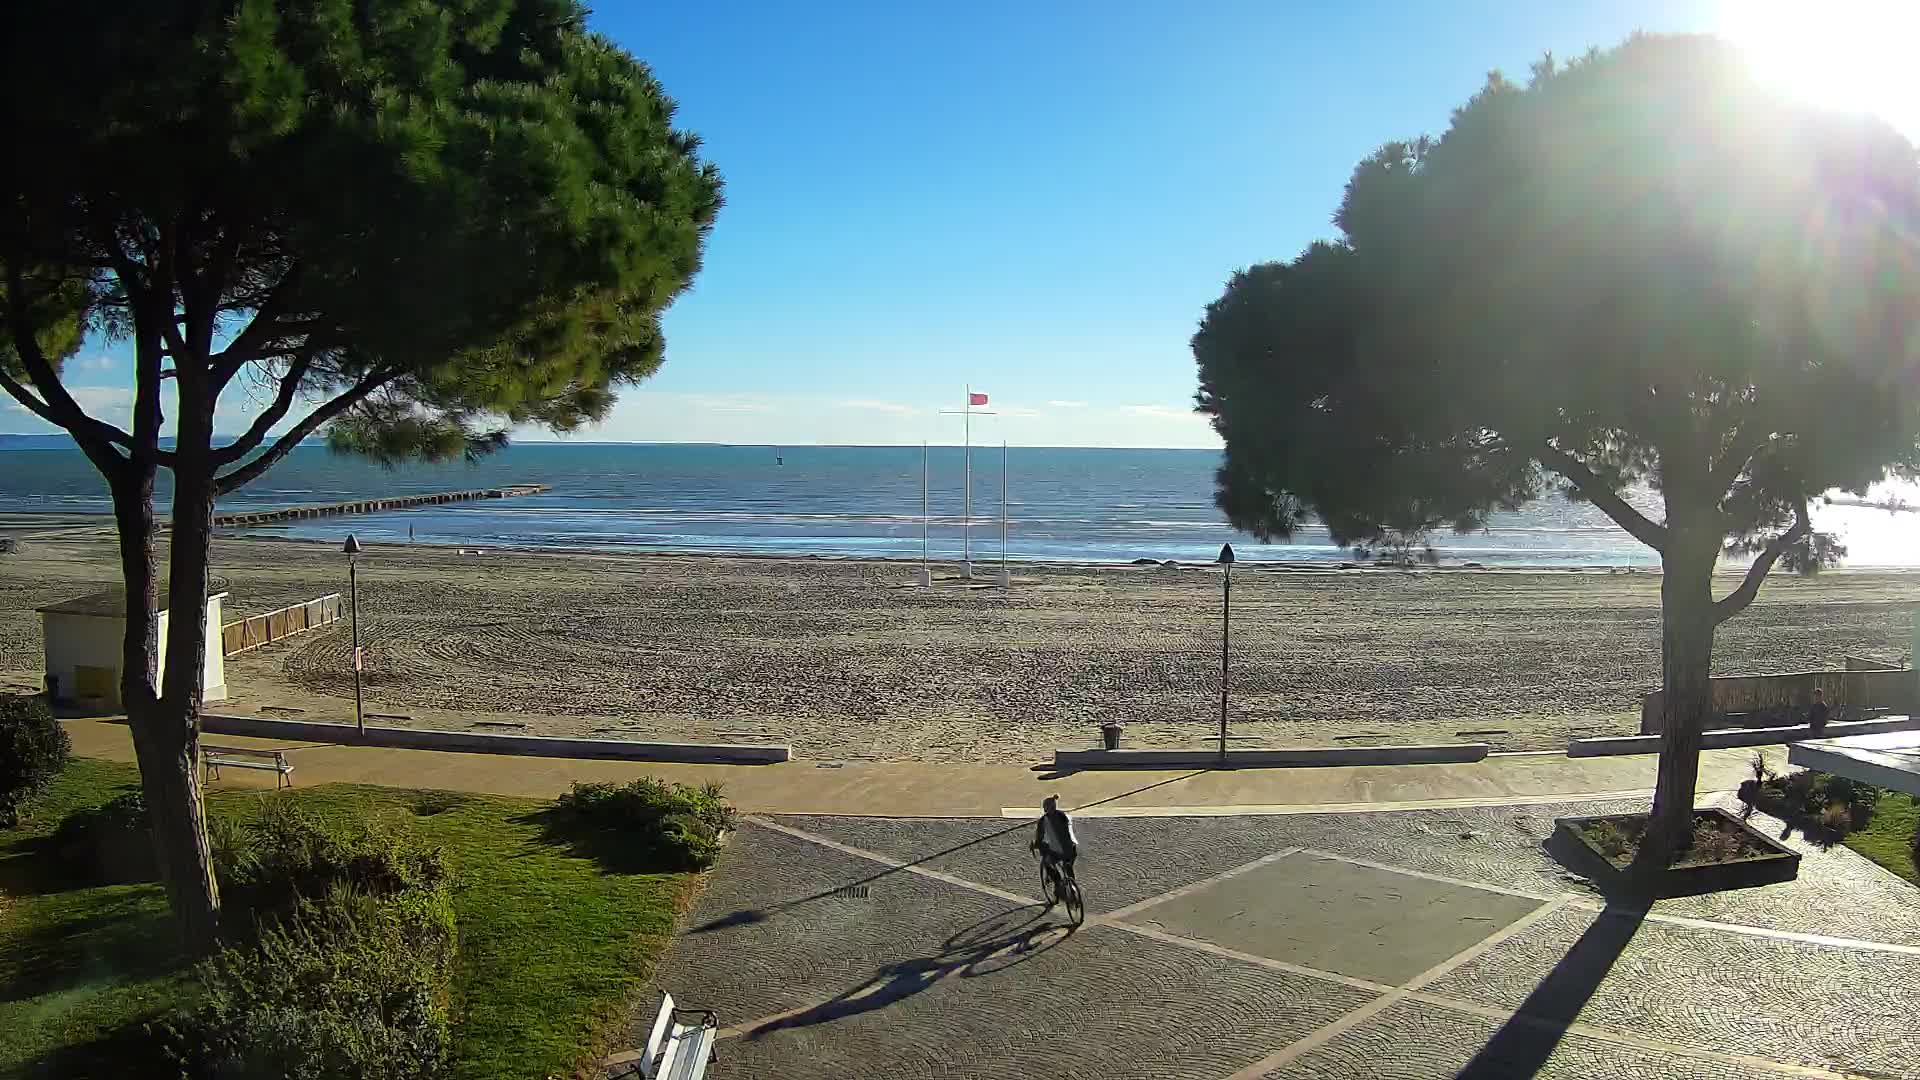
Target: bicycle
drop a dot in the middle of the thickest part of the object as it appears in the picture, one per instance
(1058, 885)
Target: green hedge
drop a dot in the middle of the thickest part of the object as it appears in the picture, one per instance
(345, 969)
(343, 987)
(33, 750)
(647, 824)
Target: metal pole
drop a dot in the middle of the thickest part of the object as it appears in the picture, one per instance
(353, 589)
(1005, 581)
(1226, 609)
(924, 506)
(967, 424)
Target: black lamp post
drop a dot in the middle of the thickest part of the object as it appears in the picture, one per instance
(1226, 609)
(352, 548)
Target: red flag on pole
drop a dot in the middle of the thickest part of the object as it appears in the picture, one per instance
(976, 399)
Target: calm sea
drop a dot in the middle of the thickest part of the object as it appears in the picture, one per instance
(1068, 505)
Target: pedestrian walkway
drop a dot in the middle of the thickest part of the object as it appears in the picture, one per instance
(1423, 943)
(921, 789)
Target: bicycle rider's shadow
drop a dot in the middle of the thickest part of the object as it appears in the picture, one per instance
(988, 947)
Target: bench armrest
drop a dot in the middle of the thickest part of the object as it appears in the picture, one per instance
(708, 1018)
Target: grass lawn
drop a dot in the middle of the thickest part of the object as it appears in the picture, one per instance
(1888, 840)
(552, 948)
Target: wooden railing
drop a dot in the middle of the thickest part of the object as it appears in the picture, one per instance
(257, 630)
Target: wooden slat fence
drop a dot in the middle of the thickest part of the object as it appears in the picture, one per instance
(257, 630)
(1781, 700)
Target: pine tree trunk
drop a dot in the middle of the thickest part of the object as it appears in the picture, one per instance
(180, 830)
(164, 740)
(1687, 622)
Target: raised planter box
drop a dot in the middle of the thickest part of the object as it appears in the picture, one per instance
(1571, 847)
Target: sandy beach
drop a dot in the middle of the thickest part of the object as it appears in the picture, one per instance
(846, 661)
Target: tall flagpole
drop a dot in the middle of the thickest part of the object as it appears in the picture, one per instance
(967, 566)
(926, 574)
(1006, 581)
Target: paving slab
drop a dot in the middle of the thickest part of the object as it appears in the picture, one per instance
(1414, 1041)
(783, 923)
(1790, 1001)
(1102, 1004)
(1126, 860)
(1122, 860)
(1337, 916)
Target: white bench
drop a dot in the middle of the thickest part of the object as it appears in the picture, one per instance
(239, 757)
(680, 1047)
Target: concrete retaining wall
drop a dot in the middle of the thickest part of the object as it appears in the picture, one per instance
(1725, 737)
(1251, 758)
(472, 742)
(1874, 767)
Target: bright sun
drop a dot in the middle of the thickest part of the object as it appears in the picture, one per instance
(1857, 55)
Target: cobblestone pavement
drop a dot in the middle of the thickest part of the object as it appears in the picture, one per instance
(1409, 944)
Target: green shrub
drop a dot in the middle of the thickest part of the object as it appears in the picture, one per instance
(1712, 844)
(1610, 839)
(1825, 806)
(340, 954)
(110, 844)
(33, 750)
(266, 865)
(663, 826)
(1837, 819)
(351, 985)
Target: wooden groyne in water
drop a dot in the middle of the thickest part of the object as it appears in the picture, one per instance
(369, 506)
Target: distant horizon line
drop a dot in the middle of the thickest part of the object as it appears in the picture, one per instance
(68, 439)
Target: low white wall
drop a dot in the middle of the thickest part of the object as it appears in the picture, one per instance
(1722, 738)
(473, 742)
(1255, 758)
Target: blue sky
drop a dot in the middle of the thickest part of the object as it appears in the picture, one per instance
(1036, 199)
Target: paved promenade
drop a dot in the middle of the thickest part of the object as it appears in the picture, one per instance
(881, 921)
(918, 789)
(1423, 943)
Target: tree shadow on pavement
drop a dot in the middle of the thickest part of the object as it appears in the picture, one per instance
(992, 945)
(1524, 1043)
(749, 916)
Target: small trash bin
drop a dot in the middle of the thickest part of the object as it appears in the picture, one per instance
(1110, 735)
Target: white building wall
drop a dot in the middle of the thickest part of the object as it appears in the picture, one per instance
(76, 641)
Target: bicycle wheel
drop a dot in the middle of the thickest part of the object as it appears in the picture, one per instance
(1046, 884)
(1076, 904)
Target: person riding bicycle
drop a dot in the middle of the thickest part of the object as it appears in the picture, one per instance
(1053, 838)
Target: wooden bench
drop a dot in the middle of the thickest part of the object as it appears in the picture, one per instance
(239, 757)
(679, 1048)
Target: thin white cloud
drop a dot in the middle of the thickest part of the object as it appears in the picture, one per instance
(103, 362)
(1066, 404)
(893, 407)
(1159, 412)
(730, 403)
(1022, 412)
(111, 403)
